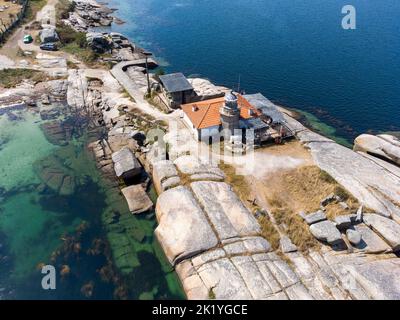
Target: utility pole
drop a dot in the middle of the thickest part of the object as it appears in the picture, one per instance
(147, 55)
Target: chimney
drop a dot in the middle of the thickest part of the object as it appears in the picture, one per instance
(195, 108)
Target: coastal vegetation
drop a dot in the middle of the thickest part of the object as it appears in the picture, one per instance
(154, 99)
(75, 43)
(11, 77)
(63, 8)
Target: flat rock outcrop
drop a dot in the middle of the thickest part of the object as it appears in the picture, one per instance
(387, 229)
(183, 229)
(214, 241)
(77, 89)
(206, 90)
(224, 210)
(331, 275)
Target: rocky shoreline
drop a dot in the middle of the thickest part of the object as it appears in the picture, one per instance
(214, 241)
(208, 234)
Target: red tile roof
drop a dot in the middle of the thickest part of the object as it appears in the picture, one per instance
(205, 114)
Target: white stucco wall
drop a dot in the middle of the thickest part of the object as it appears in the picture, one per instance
(200, 134)
(189, 124)
(209, 132)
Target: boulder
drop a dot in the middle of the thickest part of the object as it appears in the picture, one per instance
(384, 146)
(327, 232)
(137, 199)
(192, 165)
(126, 165)
(99, 42)
(286, 245)
(386, 228)
(370, 241)
(344, 222)
(353, 236)
(315, 217)
(165, 175)
(327, 200)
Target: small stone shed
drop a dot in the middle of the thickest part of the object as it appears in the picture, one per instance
(177, 89)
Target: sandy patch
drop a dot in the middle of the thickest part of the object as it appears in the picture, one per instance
(271, 159)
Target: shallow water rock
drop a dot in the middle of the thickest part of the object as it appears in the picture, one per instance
(56, 133)
(126, 165)
(138, 200)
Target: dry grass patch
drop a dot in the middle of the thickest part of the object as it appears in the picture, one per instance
(269, 232)
(296, 228)
(302, 189)
(238, 182)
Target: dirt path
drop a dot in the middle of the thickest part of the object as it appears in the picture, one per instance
(9, 51)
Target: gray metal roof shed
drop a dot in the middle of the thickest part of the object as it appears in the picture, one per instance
(253, 123)
(265, 106)
(175, 82)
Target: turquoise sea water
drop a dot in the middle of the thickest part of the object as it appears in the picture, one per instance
(84, 229)
(293, 51)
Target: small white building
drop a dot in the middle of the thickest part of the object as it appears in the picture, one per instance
(234, 112)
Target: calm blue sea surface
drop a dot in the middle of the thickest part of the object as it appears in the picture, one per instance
(293, 51)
